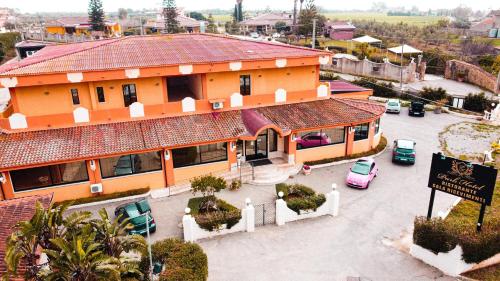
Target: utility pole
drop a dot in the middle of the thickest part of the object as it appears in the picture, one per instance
(142, 27)
(314, 34)
(402, 52)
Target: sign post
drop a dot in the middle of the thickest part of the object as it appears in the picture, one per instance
(472, 182)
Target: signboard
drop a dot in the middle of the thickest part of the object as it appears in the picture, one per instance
(470, 181)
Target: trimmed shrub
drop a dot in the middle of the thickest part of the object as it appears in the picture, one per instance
(300, 197)
(433, 235)
(213, 220)
(433, 94)
(478, 247)
(104, 197)
(328, 75)
(477, 102)
(380, 89)
(181, 260)
(382, 144)
(235, 185)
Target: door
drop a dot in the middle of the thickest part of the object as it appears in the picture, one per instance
(256, 149)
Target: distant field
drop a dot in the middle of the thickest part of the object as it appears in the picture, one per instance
(413, 20)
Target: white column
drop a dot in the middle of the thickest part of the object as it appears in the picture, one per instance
(188, 225)
(281, 210)
(334, 200)
(250, 216)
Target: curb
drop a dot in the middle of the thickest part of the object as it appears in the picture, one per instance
(110, 201)
(346, 161)
(468, 116)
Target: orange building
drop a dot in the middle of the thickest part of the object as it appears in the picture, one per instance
(79, 26)
(155, 111)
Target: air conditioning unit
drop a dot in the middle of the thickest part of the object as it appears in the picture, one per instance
(96, 188)
(218, 105)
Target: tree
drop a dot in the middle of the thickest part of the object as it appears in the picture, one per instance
(2, 52)
(197, 16)
(170, 16)
(122, 14)
(211, 27)
(280, 26)
(96, 15)
(9, 25)
(208, 185)
(238, 11)
(306, 19)
(363, 50)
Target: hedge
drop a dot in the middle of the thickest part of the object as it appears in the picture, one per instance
(439, 236)
(105, 197)
(181, 260)
(227, 214)
(382, 144)
(300, 197)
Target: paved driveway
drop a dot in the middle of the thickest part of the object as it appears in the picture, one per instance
(359, 242)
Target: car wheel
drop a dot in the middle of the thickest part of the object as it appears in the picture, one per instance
(367, 185)
(299, 146)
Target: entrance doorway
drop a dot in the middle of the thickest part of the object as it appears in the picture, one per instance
(256, 149)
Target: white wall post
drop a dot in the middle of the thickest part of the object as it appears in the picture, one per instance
(250, 216)
(281, 210)
(334, 198)
(187, 225)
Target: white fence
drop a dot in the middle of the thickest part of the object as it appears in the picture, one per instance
(193, 232)
(450, 263)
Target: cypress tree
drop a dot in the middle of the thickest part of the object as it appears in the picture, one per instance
(170, 16)
(96, 15)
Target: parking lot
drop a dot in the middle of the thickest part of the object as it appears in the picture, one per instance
(358, 243)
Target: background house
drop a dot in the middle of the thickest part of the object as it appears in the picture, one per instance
(266, 23)
(339, 30)
(80, 26)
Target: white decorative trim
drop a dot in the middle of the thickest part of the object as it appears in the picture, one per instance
(9, 82)
(75, 77)
(4, 95)
(281, 63)
(324, 60)
(236, 100)
(136, 110)
(235, 66)
(322, 91)
(132, 73)
(81, 115)
(280, 96)
(18, 121)
(185, 69)
(188, 105)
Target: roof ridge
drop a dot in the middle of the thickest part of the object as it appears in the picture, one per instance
(110, 41)
(355, 105)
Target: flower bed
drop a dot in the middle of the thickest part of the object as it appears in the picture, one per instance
(180, 260)
(222, 214)
(300, 197)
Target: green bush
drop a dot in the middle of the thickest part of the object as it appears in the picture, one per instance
(433, 235)
(382, 144)
(300, 197)
(433, 94)
(380, 89)
(181, 260)
(328, 76)
(213, 220)
(235, 185)
(477, 102)
(478, 247)
(105, 197)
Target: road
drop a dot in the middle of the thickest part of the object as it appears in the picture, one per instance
(361, 241)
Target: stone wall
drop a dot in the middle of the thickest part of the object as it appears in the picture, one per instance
(466, 72)
(386, 70)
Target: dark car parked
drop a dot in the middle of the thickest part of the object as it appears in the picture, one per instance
(416, 108)
(136, 213)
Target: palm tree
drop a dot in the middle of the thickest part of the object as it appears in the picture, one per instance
(29, 236)
(300, 8)
(79, 258)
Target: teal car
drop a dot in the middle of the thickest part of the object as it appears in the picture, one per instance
(404, 151)
(136, 213)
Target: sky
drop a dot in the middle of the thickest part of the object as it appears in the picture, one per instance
(33, 6)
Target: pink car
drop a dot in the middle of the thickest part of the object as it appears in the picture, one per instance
(362, 173)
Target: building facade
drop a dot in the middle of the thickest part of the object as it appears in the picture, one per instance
(78, 26)
(339, 30)
(266, 23)
(156, 111)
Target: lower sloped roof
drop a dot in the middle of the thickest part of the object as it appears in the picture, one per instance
(20, 149)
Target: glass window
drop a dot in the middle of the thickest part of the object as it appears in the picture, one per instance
(361, 132)
(245, 87)
(273, 141)
(48, 176)
(377, 126)
(129, 94)
(75, 97)
(130, 164)
(239, 147)
(195, 155)
(322, 137)
(100, 94)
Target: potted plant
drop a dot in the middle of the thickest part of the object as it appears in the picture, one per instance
(306, 169)
(439, 105)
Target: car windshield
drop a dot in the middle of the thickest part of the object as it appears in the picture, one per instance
(361, 167)
(393, 103)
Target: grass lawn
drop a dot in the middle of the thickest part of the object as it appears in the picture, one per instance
(491, 273)
(381, 17)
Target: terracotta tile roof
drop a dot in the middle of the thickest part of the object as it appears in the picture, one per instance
(11, 212)
(72, 21)
(342, 86)
(149, 51)
(20, 149)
